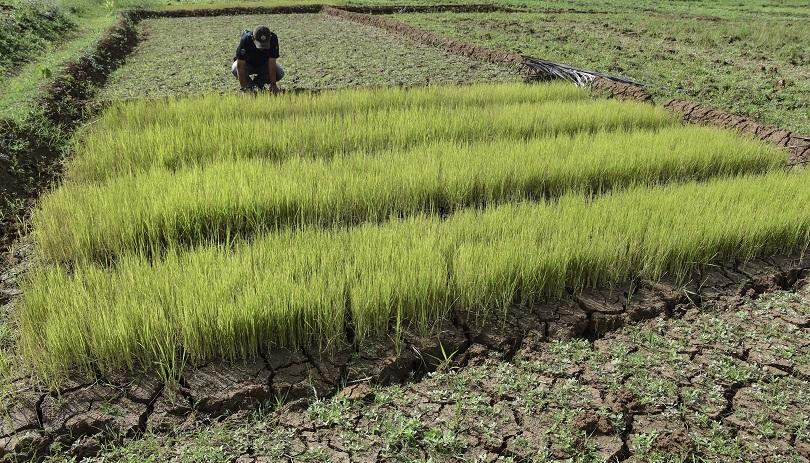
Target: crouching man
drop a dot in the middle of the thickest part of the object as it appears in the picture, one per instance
(256, 56)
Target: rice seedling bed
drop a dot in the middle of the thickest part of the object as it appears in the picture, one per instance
(318, 52)
(214, 236)
(223, 200)
(298, 287)
(119, 152)
(145, 113)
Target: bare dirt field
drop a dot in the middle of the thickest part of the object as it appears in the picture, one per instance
(317, 51)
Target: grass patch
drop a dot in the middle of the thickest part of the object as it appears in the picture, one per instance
(166, 64)
(292, 288)
(26, 29)
(755, 65)
(21, 92)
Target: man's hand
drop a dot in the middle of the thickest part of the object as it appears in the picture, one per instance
(271, 71)
(242, 74)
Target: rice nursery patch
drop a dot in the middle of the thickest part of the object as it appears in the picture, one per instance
(118, 152)
(317, 52)
(182, 111)
(187, 231)
(223, 200)
(295, 287)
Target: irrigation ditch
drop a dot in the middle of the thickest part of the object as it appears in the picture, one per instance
(85, 413)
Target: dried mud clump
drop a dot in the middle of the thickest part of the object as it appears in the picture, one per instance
(229, 11)
(797, 145)
(620, 90)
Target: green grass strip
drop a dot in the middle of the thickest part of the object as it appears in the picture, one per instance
(295, 287)
(18, 100)
(105, 154)
(213, 108)
(216, 202)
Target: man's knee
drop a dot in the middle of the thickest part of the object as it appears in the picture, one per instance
(279, 72)
(264, 74)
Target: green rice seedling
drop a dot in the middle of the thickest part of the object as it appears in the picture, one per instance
(162, 209)
(143, 113)
(267, 294)
(121, 152)
(397, 276)
(295, 287)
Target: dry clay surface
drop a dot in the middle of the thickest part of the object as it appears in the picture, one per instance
(717, 366)
(317, 52)
(725, 380)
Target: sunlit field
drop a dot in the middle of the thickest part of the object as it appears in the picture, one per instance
(187, 232)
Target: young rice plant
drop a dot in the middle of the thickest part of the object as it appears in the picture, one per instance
(296, 287)
(163, 210)
(103, 154)
(218, 227)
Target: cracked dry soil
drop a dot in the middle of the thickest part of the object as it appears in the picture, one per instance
(726, 381)
(716, 369)
(723, 381)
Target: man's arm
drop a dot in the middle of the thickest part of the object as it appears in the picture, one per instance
(242, 74)
(271, 63)
(271, 69)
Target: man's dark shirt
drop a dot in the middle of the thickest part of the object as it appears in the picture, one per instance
(247, 50)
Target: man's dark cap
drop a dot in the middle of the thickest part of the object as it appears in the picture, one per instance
(261, 35)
